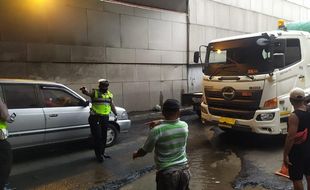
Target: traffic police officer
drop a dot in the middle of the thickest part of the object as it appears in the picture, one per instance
(5, 147)
(102, 105)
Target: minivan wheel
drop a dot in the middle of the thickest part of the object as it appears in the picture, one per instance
(112, 135)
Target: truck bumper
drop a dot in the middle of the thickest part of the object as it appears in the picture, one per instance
(271, 127)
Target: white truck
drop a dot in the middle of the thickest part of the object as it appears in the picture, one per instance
(247, 79)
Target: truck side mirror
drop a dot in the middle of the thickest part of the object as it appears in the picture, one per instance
(196, 56)
(278, 60)
(279, 46)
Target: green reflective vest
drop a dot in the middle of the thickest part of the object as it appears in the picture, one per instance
(101, 103)
(3, 125)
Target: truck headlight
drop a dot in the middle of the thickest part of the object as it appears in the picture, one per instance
(122, 116)
(265, 117)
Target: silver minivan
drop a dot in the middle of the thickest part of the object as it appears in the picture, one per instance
(48, 112)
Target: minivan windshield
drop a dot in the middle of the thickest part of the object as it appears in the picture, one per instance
(248, 56)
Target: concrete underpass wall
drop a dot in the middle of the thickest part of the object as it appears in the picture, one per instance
(211, 19)
(141, 51)
(76, 42)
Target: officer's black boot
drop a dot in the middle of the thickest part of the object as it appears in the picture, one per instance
(106, 156)
(99, 157)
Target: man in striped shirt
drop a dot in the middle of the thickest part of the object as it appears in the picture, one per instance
(169, 138)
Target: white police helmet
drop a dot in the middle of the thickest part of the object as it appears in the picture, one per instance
(103, 81)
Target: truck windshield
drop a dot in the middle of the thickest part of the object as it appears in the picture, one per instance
(249, 56)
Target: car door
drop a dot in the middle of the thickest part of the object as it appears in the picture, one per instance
(66, 114)
(29, 125)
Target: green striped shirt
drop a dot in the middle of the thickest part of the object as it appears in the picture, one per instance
(169, 139)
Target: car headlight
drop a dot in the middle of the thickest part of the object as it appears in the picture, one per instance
(122, 116)
(265, 117)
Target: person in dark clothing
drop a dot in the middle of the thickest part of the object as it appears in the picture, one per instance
(102, 105)
(5, 147)
(6, 163)
(296, 154)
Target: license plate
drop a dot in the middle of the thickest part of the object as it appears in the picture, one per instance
(224, 125)
(227, 120)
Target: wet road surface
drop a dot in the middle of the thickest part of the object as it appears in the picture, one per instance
(218, 161)
(230, 160)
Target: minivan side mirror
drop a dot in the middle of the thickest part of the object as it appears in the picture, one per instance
(85, 103)
(196, 56)
(278, 60)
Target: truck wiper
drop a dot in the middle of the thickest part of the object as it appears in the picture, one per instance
(236, 62)
(232, 60)
(217, 70)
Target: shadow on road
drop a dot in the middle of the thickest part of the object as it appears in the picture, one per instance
(50, 151)
(246, 141)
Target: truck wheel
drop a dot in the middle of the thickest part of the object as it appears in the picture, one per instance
(112, 135)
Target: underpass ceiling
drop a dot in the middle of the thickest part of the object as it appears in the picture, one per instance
(173, 5)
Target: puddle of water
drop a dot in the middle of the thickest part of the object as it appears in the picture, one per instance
(213, 166)
(210, 171)
(213, 170)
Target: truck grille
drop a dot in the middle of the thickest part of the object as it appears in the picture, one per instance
(242, 106)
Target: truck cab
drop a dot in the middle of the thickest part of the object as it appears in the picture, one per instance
(247, 79)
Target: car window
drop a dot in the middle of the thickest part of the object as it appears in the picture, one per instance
(20, 96)
(1, 93)
(54, 97)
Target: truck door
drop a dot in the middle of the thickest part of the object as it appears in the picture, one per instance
(66, 115)
(293, 73)
(29, 125)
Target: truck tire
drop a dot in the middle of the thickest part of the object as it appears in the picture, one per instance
(112, 135)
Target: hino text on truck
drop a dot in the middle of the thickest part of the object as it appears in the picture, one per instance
(247, 78)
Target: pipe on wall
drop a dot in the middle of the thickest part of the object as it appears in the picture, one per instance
(187, 42)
